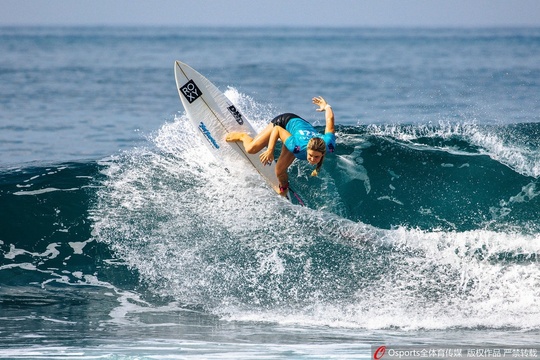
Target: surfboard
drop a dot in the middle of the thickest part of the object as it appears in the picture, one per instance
(213, 115)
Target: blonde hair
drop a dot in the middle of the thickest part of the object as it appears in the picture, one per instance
(317, 144)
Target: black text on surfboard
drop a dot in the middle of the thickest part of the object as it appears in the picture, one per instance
(191, 91)
(236, 114)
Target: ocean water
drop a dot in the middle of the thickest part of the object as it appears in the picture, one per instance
(122, 238)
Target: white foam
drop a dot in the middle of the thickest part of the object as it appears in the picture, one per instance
(50, 253)
(522, 160)
(350, 166)
(441, 282)
(390, 198)
(516, 156)
(78, 247)
(225, 242)
(528, 192)
(42, 191)
(24, 266)
(259, 114)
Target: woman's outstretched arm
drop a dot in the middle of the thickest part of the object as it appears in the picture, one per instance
(329, 113)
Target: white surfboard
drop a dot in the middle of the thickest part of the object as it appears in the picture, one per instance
(214, 116)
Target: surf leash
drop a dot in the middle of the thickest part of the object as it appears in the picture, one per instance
(297, 196)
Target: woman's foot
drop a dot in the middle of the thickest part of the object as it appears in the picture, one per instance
(235, 136)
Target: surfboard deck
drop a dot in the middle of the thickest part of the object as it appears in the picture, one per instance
(214, 116)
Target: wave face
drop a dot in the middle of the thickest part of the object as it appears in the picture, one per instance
(408, 226)
(447, 176)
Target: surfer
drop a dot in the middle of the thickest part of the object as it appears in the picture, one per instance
(300, 140)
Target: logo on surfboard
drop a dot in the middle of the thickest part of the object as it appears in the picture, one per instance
(237, 115)
(191, 91)
(208, 136)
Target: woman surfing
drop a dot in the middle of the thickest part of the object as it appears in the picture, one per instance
(300, 140)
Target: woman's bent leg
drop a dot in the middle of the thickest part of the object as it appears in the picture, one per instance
(254, 145)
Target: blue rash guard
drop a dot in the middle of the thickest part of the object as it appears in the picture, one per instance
(301, 132)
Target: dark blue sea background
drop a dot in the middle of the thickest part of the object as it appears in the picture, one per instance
(121, 237)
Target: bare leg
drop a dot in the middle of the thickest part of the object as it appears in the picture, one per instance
(237, 136)
(254, 145)
(285, 160)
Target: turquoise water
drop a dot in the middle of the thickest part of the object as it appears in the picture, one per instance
(121, 236)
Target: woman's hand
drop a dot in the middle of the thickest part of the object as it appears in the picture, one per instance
(320, 102)
(267, 157)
